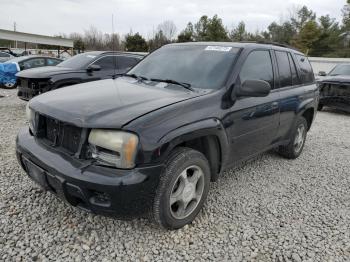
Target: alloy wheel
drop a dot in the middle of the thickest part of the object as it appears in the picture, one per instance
(186, 192)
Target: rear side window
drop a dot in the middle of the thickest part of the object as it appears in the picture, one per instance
(285, 73)
(52, 61)
(107, 62)
(295, 77)
(257, 66)
(307, 75)
(125, 62)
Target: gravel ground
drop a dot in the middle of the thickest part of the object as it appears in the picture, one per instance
(271, 209)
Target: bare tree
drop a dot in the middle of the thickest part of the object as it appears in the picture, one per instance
(168, 28)
(112, 42)
(93, 39)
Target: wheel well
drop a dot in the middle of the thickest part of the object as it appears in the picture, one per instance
(309, 116)
(209, 146)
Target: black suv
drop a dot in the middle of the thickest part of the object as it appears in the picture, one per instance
(85, 67)
(150, 141)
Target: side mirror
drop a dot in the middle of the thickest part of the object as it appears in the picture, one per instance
(92, 68)
(254, 88)
(322, 73)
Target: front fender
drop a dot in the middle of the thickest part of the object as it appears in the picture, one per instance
(206, 127)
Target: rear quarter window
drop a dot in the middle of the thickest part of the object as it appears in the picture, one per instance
(307, 74)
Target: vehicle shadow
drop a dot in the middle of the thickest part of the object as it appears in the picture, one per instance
(335, 111)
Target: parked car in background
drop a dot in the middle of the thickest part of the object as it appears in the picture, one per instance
(8, 73)
(148, 143)
(335, 88)
(86, 67)
(4, 56)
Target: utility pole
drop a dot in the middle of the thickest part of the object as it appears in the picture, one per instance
(14, 29)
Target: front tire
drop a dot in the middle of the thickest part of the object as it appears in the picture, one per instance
(183, 188)
(297, 140)
(319, 107)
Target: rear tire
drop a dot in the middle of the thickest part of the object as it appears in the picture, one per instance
(297, 140)
(182, 189)
(9, 86)
(319, 107)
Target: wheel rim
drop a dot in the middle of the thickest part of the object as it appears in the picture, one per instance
(186, 192)
(299, 138)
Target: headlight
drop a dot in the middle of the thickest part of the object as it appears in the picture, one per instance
(112, 147)
(30, 117)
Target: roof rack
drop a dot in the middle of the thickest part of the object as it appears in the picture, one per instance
(270, 43)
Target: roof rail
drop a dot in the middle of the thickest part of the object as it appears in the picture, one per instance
(270, 43)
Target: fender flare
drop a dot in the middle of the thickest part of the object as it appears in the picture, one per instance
(203, 128)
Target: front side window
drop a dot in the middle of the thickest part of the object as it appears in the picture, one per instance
(284, 70)
(257, 66)
(307, 74)
(202, 66)
(107, 62)
(125, 62)
(33, 63)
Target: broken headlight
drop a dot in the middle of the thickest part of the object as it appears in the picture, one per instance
(114, 148)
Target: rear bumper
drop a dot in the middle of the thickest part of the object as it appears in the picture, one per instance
(102, 190)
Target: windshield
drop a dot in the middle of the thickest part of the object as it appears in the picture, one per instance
(340, 70)
(78, 61)
(201, 66)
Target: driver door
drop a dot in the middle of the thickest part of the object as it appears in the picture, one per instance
(255, 120)
(107, 68)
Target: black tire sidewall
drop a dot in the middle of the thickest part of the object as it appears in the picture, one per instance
(5, 87)
(186, 158)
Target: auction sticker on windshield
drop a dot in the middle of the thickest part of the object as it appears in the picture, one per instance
(218, 48)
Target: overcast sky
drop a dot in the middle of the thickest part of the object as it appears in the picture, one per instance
(64, 16)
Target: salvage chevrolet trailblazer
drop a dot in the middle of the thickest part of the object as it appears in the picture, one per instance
(149, 142)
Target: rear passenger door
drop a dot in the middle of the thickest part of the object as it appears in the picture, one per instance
(291, 91)
(254, 119)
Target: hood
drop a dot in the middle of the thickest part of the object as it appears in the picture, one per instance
(45, 72)
(336, 79)
(107, 103)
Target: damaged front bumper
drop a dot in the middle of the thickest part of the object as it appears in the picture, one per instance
(29, 88)
(101, 190)
(336, 95)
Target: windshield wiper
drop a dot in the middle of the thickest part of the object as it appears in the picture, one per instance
(170, 81)
(140, 78)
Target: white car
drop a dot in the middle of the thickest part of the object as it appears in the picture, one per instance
(4, 56)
